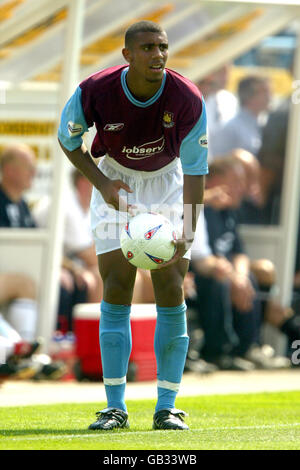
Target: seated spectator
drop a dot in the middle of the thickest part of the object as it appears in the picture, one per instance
(221, 104)
(265, 210)
(230, 312)
(17, 169)
(244, 130)
(17, 291)
(272, 161)
(252, 171)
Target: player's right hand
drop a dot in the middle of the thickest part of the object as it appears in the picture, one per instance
(110, 192)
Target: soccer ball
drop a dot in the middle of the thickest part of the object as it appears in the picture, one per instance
(146, 240)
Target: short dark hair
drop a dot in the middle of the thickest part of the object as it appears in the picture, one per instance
(141, 27)
(247, 87)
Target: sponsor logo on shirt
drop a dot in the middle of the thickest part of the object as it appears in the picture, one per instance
(203, 141)
(114, 127)
(168, 119)
(74, 129)
(145, 150)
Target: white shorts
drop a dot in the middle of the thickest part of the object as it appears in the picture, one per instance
(156, 191)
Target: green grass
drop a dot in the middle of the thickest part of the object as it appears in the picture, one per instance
(249, 421)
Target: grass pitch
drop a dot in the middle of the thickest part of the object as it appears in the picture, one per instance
(247, 421)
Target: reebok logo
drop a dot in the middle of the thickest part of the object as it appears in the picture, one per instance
(114, 127)
(144, 151)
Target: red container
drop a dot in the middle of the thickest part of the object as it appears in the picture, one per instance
(142, 362)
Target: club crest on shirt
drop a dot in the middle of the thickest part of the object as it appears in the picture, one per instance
(114, 127)
(168, 119)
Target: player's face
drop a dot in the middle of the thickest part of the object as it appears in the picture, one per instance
(148, 56)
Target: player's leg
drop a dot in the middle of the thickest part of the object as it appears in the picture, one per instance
(115, 336)
(170, 343)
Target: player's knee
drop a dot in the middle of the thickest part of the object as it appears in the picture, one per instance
(118, 289)
(170, 293)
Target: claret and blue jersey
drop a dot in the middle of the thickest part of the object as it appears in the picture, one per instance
(143, 136)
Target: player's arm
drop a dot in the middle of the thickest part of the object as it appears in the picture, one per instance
(72, 127)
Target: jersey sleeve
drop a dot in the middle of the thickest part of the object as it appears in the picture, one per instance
(194, 147)
(73, 122)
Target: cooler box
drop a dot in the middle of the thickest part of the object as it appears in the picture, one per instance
(142, 362)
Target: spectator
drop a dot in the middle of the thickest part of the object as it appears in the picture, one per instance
(17, 168)
(229, 309)
(17, 164)
(18, 292)
(252, 168)
(221, 104)
(244, 130)
(271, 158)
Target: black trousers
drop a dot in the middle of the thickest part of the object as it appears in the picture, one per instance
(226, 330)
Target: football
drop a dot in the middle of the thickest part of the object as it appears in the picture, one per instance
(146, 240)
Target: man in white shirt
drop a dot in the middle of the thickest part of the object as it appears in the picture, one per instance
(244, 130)
(221, 104)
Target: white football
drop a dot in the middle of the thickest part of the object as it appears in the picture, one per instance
(146, 240)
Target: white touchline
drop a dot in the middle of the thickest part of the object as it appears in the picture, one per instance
(119, 436)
